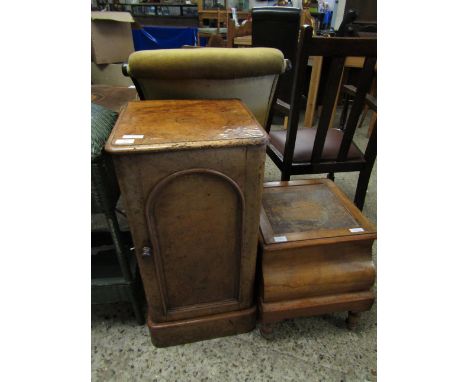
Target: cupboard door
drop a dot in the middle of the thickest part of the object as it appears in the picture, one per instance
(195, 220)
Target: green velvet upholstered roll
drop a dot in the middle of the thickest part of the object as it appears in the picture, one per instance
(214, 63)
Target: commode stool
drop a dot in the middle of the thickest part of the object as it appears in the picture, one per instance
(316, 253)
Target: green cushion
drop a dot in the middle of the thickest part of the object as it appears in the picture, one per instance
(212, 63)
(102, 122)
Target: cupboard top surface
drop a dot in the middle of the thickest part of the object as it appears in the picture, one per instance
(309, 210)
(168, 125)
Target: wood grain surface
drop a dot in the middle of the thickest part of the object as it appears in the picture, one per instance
(315, 251)
(193, 209)
(185, 124)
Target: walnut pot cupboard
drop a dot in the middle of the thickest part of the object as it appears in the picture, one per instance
(191, 174)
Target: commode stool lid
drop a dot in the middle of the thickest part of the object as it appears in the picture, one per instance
(310, 210)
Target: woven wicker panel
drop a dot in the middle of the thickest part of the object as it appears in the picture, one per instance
(104, 187)
(102, 122)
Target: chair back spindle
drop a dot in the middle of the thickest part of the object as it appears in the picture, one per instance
(324, 149)
(332, 88)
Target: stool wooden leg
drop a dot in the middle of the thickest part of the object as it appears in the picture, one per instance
(266, 331)
(352, 320)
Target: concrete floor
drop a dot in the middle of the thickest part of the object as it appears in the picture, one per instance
(307, 349)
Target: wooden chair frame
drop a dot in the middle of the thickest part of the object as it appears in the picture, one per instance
(233, 31)
(337, 49)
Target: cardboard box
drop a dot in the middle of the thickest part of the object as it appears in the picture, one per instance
(111, 37)
(110, 74)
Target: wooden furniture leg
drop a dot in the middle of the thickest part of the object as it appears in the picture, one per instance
(352, 320)
(313, 90)
(372, 123)
(344, 112)
(373, 119)
(332, 118)
(363, 116)
(266, 331)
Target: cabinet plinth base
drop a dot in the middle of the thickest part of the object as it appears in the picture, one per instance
(202, 328)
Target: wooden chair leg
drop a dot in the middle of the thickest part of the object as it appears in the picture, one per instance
(313, 91)
(363, 116)
(332, 119)
(285, 176)
(372, 123)
(344, 113)
(216, 41)
(317, 114)
(361, 188)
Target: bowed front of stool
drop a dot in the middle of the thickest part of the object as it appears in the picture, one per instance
(315, 253)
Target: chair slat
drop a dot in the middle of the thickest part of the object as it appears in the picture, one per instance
(299, 77)
(332, 87)
(371, 150)
(336, 49)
